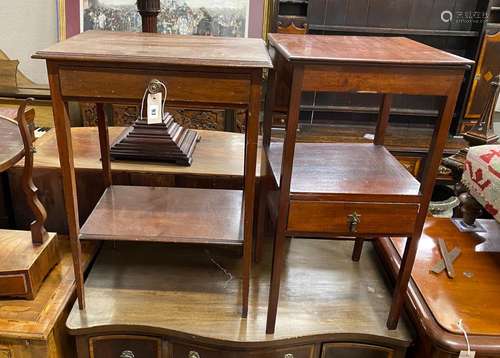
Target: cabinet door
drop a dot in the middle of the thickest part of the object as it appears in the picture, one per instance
(354, 350)
(124, 346)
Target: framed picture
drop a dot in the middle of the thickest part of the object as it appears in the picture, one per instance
(182, 17)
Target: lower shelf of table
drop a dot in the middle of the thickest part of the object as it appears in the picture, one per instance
(340, 171)
(183, 215)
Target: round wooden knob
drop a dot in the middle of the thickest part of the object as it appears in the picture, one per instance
(193, 354)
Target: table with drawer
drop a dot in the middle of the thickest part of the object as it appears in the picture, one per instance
(357, 190)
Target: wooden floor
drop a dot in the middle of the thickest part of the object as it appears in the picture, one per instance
(193, 291)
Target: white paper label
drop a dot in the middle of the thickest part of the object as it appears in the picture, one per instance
(155, 114)
(465, 354)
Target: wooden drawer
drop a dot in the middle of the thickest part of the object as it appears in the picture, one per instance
(355, 350)
(84, 82)
(124, 346)
(13, 285)
(292, 352)
(189, 351)
(329, 217)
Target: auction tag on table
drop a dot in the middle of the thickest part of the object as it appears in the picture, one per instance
(154, 108)
(465, 354)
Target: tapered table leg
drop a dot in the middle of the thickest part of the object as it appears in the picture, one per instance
(65, 148)
(426, 187)
(284, 195)
(251, 138)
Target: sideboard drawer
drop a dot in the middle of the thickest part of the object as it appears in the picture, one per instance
(191, 351)
(292, 352)
(188, 351)
(355, 350)
(337, 218)
(124, 346)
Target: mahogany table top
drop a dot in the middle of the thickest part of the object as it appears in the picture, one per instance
(182, 291)
(362, 49)
(472, 295)
(217, 154)
(135, 47)
(25, 319)
(11, 143)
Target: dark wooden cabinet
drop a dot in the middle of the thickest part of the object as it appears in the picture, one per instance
(456, 26)
(487, 68)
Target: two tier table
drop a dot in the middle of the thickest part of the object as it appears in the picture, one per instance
(200, 72)
(351, 190)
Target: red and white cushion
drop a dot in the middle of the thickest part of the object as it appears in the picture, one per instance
(482, 176)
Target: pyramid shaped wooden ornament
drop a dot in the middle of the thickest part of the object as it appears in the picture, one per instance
(156, 137)
(162, 142)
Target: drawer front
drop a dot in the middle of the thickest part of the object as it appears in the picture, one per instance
(130, 85)
(354, 219)
(354, 350)
(13, 285)
(189, 351)
(292, 352)
(124, 346)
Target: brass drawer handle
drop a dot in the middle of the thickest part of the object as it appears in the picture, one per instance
(127, 354)
(353, 221)
(288, 355)
(193, 354)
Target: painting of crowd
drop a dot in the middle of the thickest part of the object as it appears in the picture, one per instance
(176, 17)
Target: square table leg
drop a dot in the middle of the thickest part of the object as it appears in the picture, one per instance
(427, 185)
(284, 193)
(65, 148)
(251, 138)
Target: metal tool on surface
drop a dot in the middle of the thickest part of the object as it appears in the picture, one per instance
(446, 263)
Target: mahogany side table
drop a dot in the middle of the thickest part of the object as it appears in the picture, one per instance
(199, 71)
(351, 190)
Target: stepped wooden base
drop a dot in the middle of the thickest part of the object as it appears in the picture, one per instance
(24, 266)
(164, 142)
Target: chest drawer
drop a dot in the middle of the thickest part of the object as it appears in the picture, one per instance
(354, 350)
(292, 352)
(13, 285)
(192, 351)
(124, 346)
(189, 351)
(350, 218)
